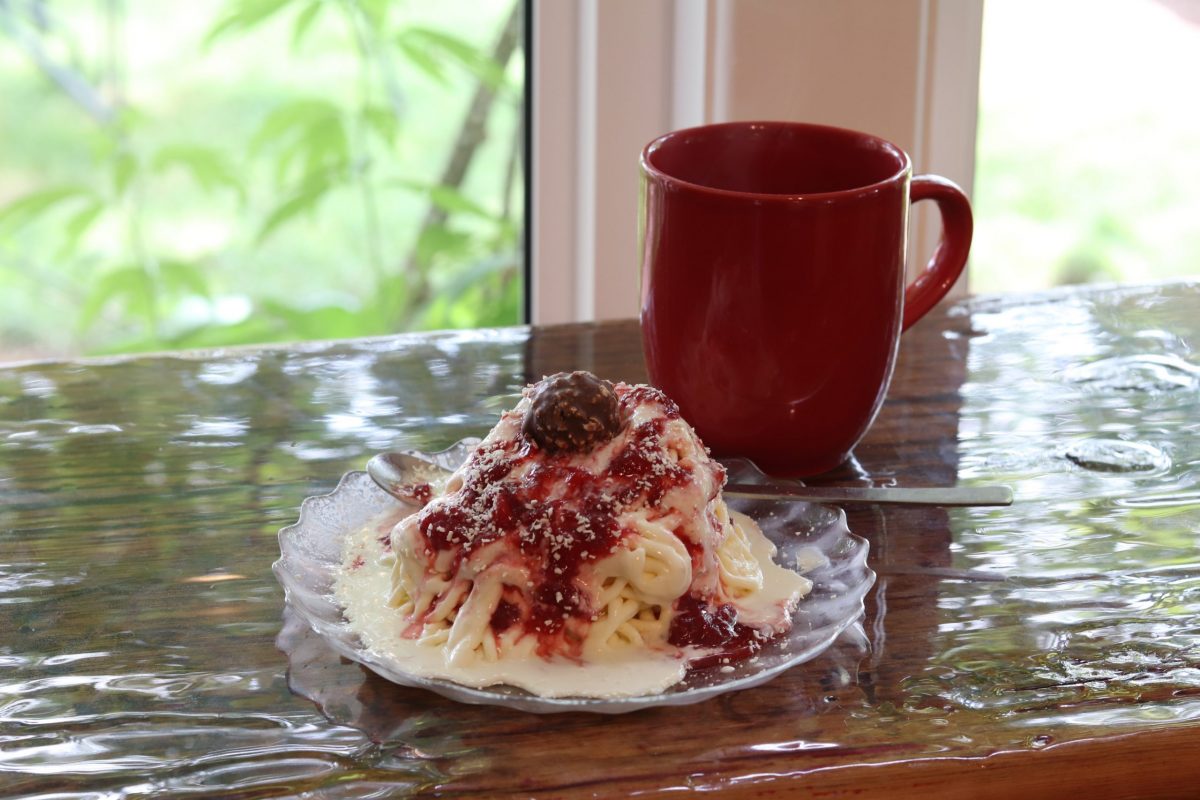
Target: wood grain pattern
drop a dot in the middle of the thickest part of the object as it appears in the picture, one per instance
(1036, 651)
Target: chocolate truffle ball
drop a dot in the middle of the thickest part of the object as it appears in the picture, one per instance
(572, 413)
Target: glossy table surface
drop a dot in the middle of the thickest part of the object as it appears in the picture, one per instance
(1036, 650)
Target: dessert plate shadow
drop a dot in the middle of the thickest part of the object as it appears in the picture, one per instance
(811, 538)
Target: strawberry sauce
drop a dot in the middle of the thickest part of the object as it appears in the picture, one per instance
(559, 517)
(697, 623)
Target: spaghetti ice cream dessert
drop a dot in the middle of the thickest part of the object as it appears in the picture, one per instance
(583, 549)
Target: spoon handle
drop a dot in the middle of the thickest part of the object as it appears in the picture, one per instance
(951, 496)
(403, 475)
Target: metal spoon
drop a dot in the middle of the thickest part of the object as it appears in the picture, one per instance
(402, 475)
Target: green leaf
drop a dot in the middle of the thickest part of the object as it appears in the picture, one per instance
(131, 283)
(440, 240)
(129, 118)
(255, 329)
(383, 121)
(242, 16)
(208, 167)
(124, 167)
(487, 293)
(453, 201)
(305, 199)
(433, 47)
(419, 56)
(304, 21)
(31, 206)
(325, 147)
(323, 322)
(183, 277)
(480, 273)
(79, 224)
(135, 344)
(323, 153)
(284, 120)
(375, 11)
(388, 299)
(435, 315)
(506, 309)
(310, 132)
(447, 198)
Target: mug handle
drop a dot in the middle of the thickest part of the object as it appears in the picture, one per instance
(951, 254)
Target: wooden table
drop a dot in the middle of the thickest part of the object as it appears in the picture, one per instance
(1045, 649)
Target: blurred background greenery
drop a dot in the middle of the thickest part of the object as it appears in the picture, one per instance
(1088, 164)
(233, 171)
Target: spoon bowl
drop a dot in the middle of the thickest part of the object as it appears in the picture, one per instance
(408, 477)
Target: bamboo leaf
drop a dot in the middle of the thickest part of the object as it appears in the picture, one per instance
(419, 56)
(375, 11)
(486, 293)
(455, 202)
(323, 322)
(383, 121)
(131, 283)
(506, 310)
(286, 119)
(435, 47)
(309, 132)
(323, 153)
(447, 198)
(440, 240)
(220, 334)
(481, 272)
(304, 21)
(242, 16)
(124, 168)
(184, 278)
(208, 167)
(31, 206)
(388, 299)
(326, 146)
(305, 199)
(129, 118)
(79, 224)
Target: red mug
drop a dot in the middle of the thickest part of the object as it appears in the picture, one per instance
(772, 282)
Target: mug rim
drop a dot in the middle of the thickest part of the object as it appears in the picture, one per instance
(837, 194)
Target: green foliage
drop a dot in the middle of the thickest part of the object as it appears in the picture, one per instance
(210, 168)
(453, 201)
(348, 162)
(30, 207)
(243, 15)
(77, 225)
(304, 21)
(304, 198)
(430, 50)
(1100, 188)
(131, 286)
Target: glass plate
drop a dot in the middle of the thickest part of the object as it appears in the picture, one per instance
(811, 538)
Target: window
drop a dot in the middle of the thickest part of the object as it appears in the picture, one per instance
(1088, 169)
(257, 171)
